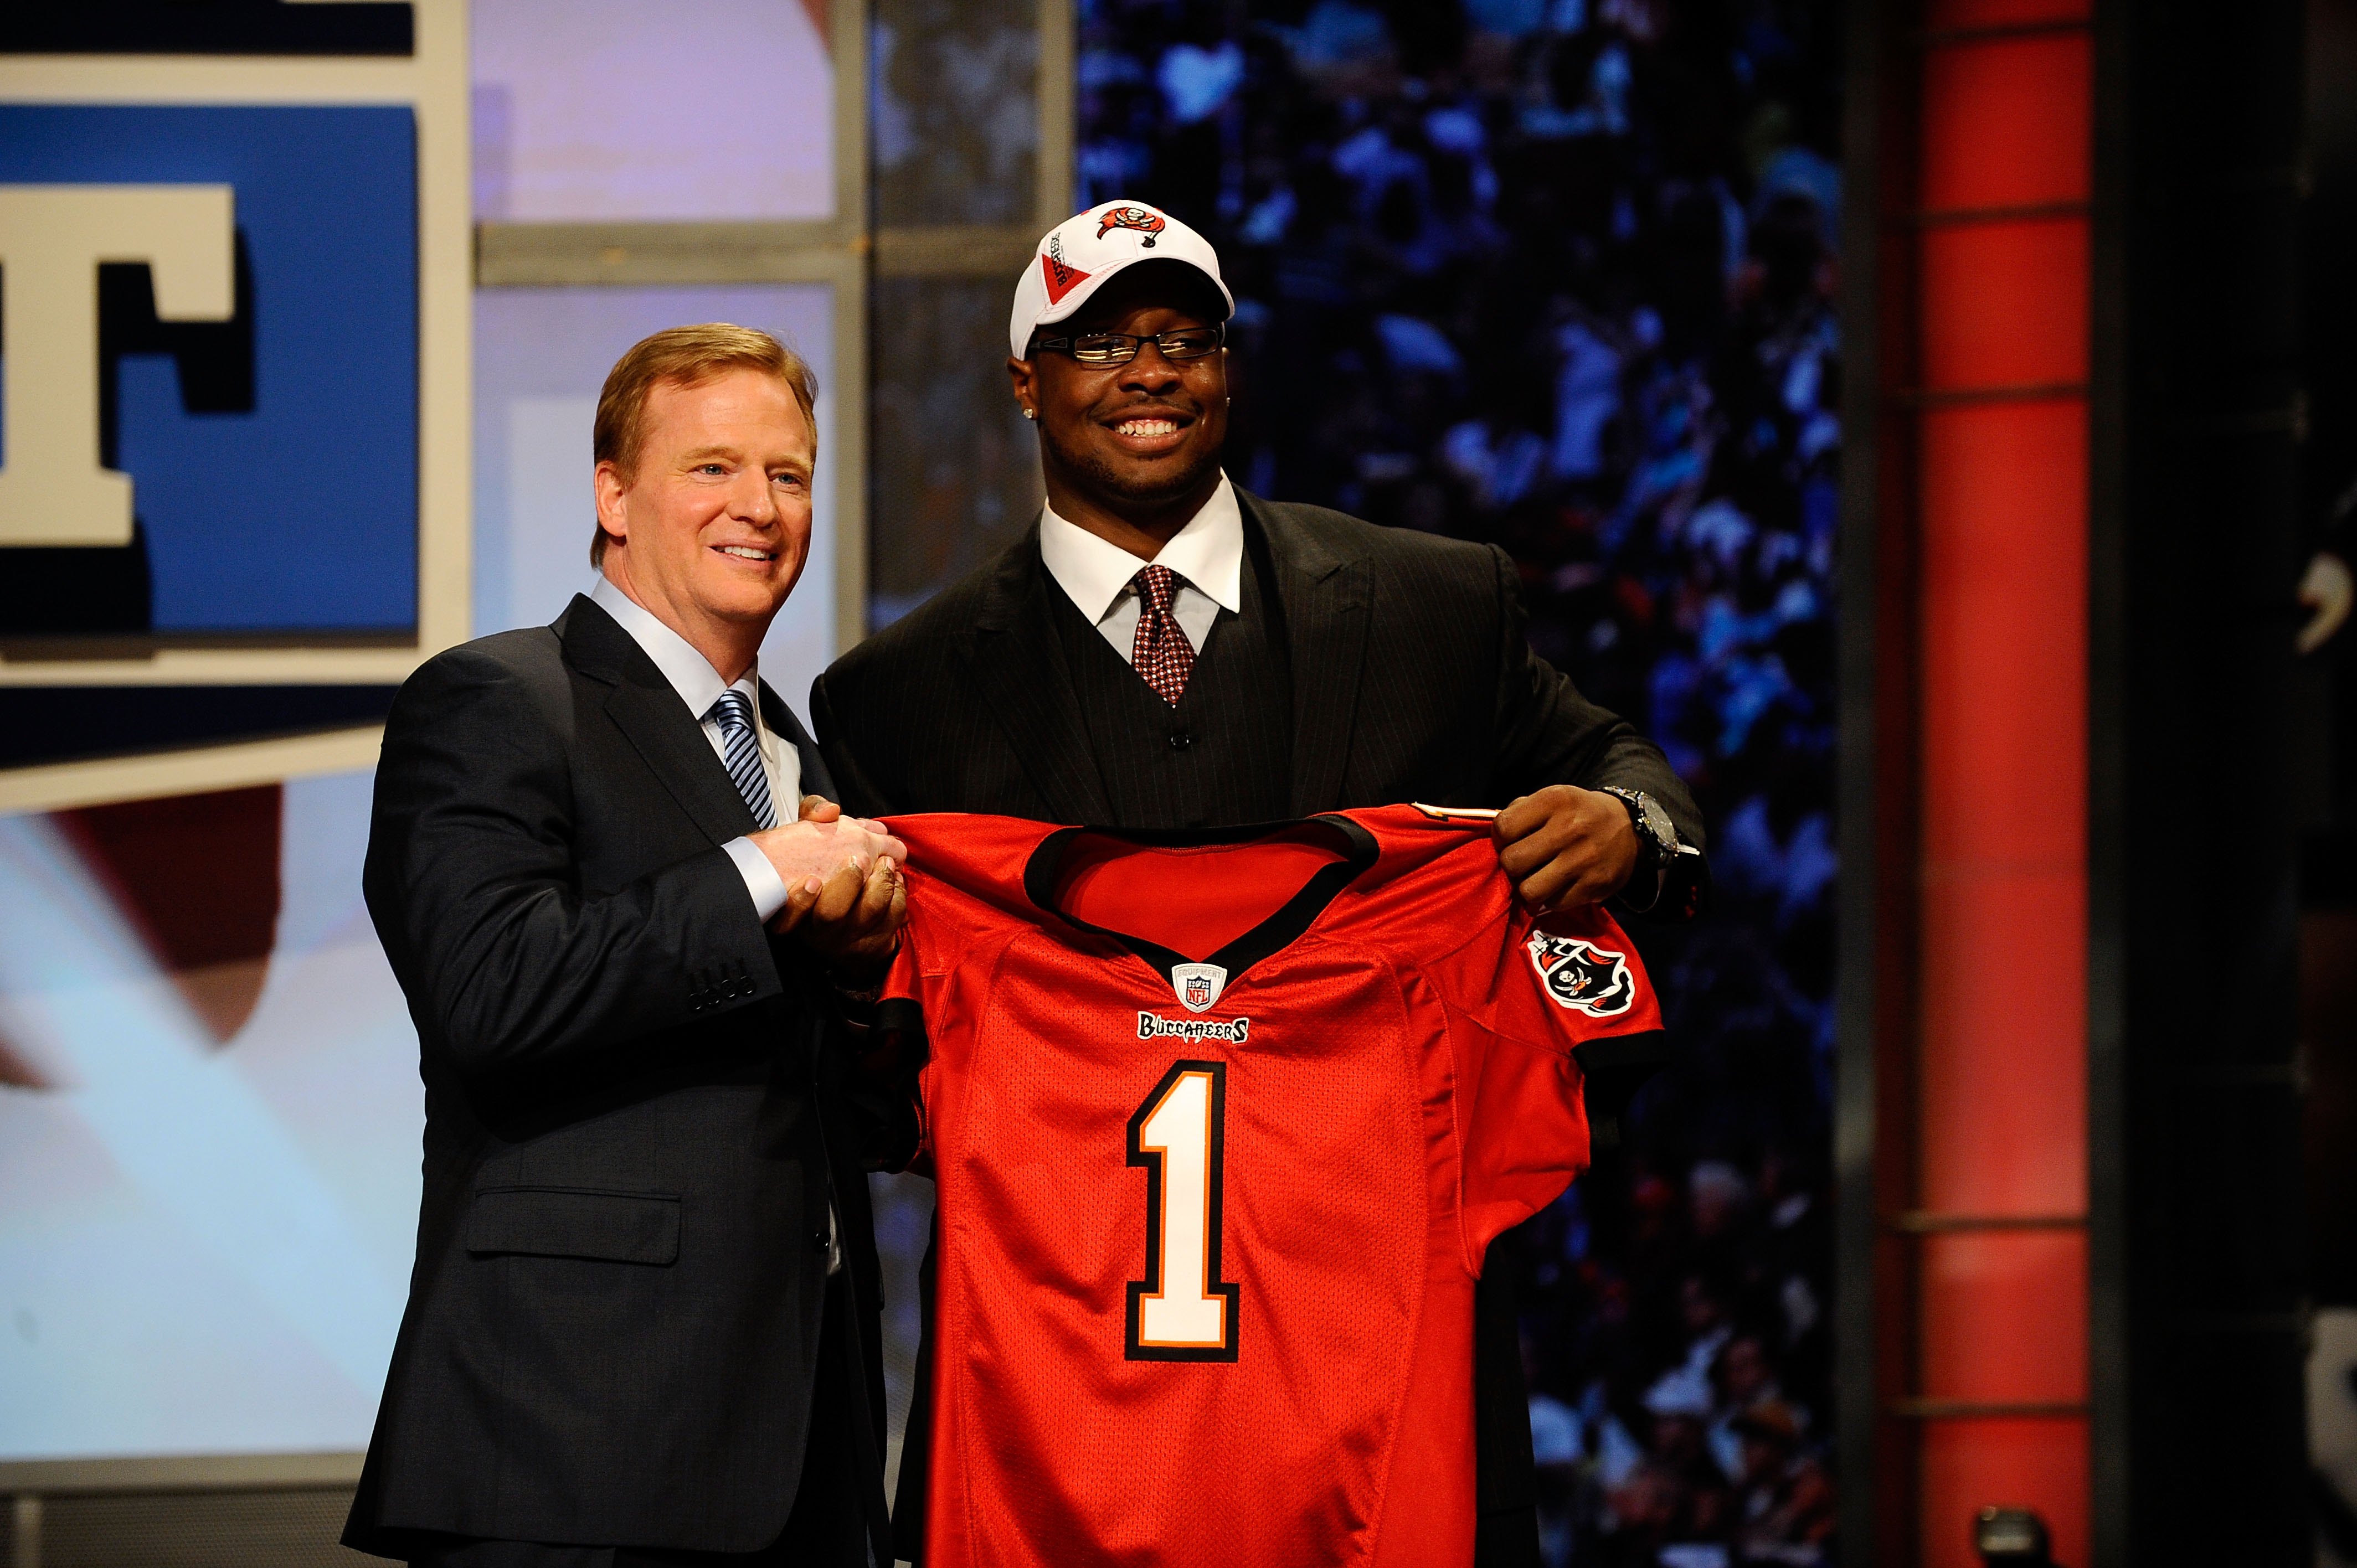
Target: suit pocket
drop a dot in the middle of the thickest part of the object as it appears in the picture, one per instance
(575, 1222)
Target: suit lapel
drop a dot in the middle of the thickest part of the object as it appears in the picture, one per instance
(1325, 600)
(816, 780)
(1020, 665)
(650, 714)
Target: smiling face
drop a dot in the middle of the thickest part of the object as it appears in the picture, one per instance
(1137, 440)
(710, 529)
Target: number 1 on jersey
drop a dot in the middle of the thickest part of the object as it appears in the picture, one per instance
(1182, 1311)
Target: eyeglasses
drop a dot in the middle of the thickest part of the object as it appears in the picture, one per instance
(1119, 348)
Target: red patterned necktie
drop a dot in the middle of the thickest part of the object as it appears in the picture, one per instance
(1161, 652)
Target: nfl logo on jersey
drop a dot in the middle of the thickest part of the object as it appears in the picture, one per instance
(1197, 985)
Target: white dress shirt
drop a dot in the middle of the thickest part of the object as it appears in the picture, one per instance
(699, 685)
(1209, 552)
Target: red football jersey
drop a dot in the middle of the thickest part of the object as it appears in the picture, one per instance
(1222, 1124)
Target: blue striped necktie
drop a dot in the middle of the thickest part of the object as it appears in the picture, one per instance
(733, 714)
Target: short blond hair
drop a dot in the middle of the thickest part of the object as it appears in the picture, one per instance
(685, 357)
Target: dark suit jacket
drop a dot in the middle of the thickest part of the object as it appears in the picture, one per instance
(633, 1114)
(1411, 677)
(1411, 681)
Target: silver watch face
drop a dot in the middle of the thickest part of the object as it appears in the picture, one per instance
(1650, 819)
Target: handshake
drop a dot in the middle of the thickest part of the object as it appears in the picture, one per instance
(845, 894)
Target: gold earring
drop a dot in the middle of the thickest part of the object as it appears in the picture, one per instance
(1030, 414)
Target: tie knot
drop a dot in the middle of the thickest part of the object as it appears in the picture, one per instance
(732, 712)
(1157, 585)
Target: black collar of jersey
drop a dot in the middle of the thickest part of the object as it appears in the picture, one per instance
(1279, 931)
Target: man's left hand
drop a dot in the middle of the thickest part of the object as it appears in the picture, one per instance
(852, 918)
(1566, 847)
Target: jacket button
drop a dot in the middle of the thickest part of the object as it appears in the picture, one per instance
(1181, 740)
(819, 1241)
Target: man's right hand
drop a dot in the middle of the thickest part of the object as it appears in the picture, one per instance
(815, 848)
(853, 915)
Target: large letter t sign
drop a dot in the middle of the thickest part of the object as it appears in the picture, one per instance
(53, 490)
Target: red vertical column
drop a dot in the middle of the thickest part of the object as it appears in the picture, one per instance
(1998, 1228)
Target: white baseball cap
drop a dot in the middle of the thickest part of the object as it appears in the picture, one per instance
(1075, 257)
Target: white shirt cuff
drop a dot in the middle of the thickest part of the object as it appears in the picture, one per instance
(761, 878)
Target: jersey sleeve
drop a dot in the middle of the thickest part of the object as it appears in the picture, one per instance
(901, 1046)
(939, 923)
(903, 996)
(913, 1004)
(966, 897)
(1537, 1009)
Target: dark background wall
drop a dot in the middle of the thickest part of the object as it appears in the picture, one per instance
(2198, 509)
(2324, 738)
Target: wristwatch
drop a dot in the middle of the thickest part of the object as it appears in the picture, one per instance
(1657, 841)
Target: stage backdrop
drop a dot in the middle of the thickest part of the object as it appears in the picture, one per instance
(209, 1110)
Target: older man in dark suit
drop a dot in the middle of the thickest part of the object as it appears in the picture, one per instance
(643, 1321)
(1165, 650)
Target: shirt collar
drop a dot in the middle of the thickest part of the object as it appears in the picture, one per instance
(690, 673)
(1209, 552)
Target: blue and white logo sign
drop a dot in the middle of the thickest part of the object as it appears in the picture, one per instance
(232, 401)
(239, 426)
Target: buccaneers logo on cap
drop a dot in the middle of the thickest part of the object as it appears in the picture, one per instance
(1061, 277)
(1145, 220)
(1582, 977)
